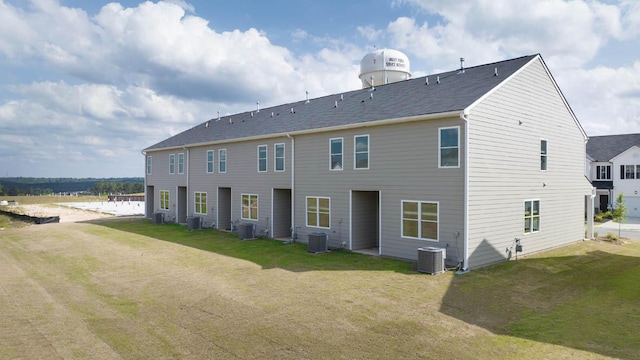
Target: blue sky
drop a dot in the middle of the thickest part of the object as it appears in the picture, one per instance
(86, 85)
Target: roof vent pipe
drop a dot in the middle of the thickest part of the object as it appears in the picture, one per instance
(335, 104)
(307, 93)
(218, 115)
(426, 80)
(252, 114)
(257, 106)
(372, 87)
(341, 97)
(461, 66)
(438, 79)
(292, 111)
(272, 114)
(495, 71)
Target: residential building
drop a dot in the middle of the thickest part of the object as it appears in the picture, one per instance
(467, 160)
(613, 166)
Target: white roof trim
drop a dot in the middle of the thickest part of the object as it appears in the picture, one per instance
(633, 147)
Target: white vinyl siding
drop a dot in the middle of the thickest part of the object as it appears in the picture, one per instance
(278, 157)
(318, 212)
(210, 161)
(531, 216)
(361, 152)
(149, 162)
(164, 199)
(336, 154)
(449, 147)
(543, 155)
(222, 161)
(200, 202)
(172, 163)
(181, 163)
(420, 220)
(249, 207)
(262, 158)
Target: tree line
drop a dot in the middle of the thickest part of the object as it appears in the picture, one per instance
(47, 186)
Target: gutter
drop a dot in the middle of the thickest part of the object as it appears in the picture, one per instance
(144, 154)
(464, 116)
(293, 187)
(187, 173)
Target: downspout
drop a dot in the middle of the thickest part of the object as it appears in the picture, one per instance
(464, 116)
(293, 187)
(187, 173)
(144, 154)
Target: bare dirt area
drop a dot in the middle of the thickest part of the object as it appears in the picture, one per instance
(67, 214)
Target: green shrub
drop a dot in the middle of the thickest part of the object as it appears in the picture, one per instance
(612, 236)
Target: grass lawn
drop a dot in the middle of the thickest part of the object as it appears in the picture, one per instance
(128, 289)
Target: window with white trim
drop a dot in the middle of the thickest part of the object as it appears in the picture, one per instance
(449, 147)
(262, 158)
(420, 220)
(181, 163)
(361, 152)
(222, 161)
(629, 172)
(172, 163)
(149, 162)
(210, 161)
(543, 155)
(164, 199)
(249, 207)
(319, 212)
(531, 216)
(200, 202)
(335, 154)
(603, 172)
(278, 157)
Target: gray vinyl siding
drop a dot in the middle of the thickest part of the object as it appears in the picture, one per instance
(403, 165)
(242, 177)
(161, 179)
(505, 130)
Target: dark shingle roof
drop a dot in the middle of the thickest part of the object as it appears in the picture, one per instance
(456, 91)
(606, 147)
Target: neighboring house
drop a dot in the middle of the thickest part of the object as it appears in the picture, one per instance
(613, 168)
(464, 160)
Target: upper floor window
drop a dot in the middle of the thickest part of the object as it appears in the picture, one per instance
(262, 158)
(449, 143)
(278, 157)
(210, 163)
(543, 155)
(181, 163)
(249, 207)
(629, 171)
(318, 212)
(335, 154)
(531, 216)
(200, 202)
(420, 220)
(172, 163)
(148, 165)
(603, 172)
(222, 161)
(361, 152)
(164, 199)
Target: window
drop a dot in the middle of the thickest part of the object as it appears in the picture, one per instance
(164, 199)
(172, 163)
(262, 158)
(148, 165)
(249, 207)
(181, 163)
(361, 152)
(628, 171)
(335, 151)
(210, 162)
(200, 202)
(449, 142)
(420, 220)
(318, 212)
(278, 157)
(222, 161)
(531, 216)
(543, 155)
(603, 172)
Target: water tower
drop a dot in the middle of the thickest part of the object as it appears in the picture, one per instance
(383, 67)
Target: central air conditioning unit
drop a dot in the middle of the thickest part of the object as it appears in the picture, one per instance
(246, 231)
(318, 242)
(157, 218)
(194, 223)
(431, 260)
